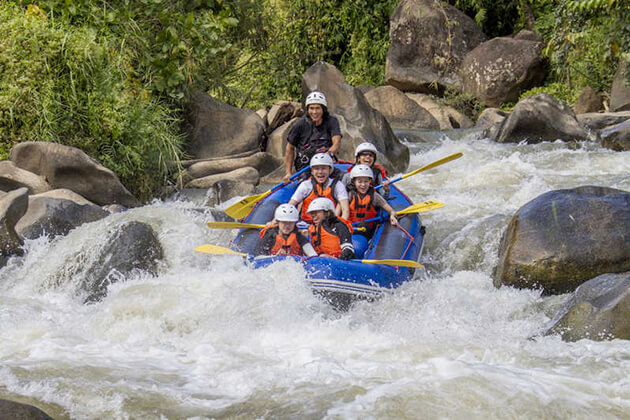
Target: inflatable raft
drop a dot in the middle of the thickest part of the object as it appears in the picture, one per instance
(343, 282)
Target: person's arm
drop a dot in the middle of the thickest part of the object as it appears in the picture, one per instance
(345, 240)
(336, 144)
(382, 203)
(345, 208)
(288, 162)
(307, 248)
(341, 194)
(265, 244)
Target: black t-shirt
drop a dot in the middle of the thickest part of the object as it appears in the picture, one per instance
(306, 135)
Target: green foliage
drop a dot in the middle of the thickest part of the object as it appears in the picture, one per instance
(463, 102)
(494, 17)
(560, 91)
(73, 86)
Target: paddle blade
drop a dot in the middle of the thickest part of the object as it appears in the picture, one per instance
(240, 209)
(399, 263)
(233, 225)
(434, 164)
(217, 250)
(422, 207)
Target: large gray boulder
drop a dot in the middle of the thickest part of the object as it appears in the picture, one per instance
(620, 92)
(217, 129)
(54, 216)
(282, 112)
(13, 206)
(617, 137)
(400, 111)
(12, 178)
(598, 310)
(359, 122)
(277, 144)
(12, 410)
(263, 162)
(247, 174)
(428, 41)
(563, 238)
(68, 167)
(447, 117)
(588, 101)
(499, 70)
(539, 118)
(601, 120)
(131, 248)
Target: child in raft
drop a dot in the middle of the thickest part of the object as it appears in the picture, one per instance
(284, 238)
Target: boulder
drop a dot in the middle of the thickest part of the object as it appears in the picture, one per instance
(12, 178)
(246, 174)
(65, 194)
(598, 310)
(400, 111)
(68, 167)
(263, 162)
(18, 411)
(217, 129)
(620, 92)
(13, 206)
(131, 248)
(588, 101)
(277, 144)
(617, 137)
(490, 117)
(226, 189)
(282, 112)
(499, 70)
(601, 120)
(359, 122)
(539, 118)
(428, 41)
(447, 117)
(53, 216)
(563, 238)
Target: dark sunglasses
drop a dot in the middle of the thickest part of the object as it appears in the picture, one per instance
(367, 154)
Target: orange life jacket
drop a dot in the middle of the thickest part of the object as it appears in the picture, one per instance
(290, 244)
(362, 208)
(324, 240)
(318, 191)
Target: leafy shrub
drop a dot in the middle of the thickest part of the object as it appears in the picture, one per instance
(73, 86)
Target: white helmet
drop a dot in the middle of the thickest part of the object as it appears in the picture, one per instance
(322, 159)
(286, 213)
(316, 97)
(321, 203)
(361, 170)
(365, 147)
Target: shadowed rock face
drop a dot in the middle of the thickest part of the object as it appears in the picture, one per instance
(12, 410)
(12, 207)
(359, 122)
(68, 167)
(563, 238)
(620, 92)
(429, 40)
(400, 111)
(598, 310)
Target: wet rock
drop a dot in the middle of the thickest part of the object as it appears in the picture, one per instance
(17, 411)
(263, 162)
(429, 40)
(12, 178)
(226, 189)
(620, 92)
(598, 310)
(217, 129)
(499, 70)
(114, 208)
(68, 167)
(282, 112)
(277, 144)
(601, 120)
(132, 248)
(563, 238)
(588, 101)
(246, 174)
(54, 217)
(617, 137)
(490, 117)
(13, 206)
(400, 111)
(539, 118)
(359, 122)
(65, 194)
(448, 118)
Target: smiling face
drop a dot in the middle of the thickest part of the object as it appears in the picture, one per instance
(362, 183)
(316, 112)
(286, 227)
(318, 216)
(321, 173)
(366, 158)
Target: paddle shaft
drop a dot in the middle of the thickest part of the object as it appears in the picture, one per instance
(424, 168)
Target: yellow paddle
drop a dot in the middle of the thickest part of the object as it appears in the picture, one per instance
(424, 168)
(422, 207)
(233, 225)
(240, 209)
(219, 250)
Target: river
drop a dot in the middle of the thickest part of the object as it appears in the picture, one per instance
(210, 338)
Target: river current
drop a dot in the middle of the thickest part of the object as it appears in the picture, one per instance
(211, 338)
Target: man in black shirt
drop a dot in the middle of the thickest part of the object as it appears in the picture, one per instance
(316, 132)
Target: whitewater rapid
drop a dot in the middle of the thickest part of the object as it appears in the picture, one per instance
(210, 338)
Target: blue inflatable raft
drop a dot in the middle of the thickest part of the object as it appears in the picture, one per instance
(342, 282)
